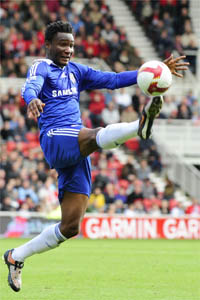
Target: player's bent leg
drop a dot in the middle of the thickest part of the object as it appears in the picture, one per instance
(87, 141)
(73, 207)
(149, 113)
(106, 138)
(116, 134)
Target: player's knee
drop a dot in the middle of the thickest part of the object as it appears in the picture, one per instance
(87, 141)
(70, 230)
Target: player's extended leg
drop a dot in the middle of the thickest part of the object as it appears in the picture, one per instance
(73, 207)
(116, 134)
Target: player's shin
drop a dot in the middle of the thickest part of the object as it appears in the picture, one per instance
(116, 134)
(48, 239)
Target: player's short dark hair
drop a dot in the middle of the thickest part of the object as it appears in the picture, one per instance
(56, 27)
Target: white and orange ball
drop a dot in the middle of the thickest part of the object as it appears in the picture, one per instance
(154, 78)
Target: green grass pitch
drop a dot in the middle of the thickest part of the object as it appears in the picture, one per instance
(109, 270)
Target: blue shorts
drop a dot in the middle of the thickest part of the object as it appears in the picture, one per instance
(61, 150)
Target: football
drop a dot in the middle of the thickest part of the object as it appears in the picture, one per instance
(154, 78)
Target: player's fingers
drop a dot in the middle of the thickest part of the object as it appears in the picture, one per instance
(40, 107)
(182, 64)
(35, 110)
(177, 74)
(179, 58)
(30, 115)
(181, 68)
(168, 59)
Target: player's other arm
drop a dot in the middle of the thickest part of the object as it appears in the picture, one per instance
(93, 79)
(30, 91)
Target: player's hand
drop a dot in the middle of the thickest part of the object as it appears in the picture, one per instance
(35, 108)
(174, 65)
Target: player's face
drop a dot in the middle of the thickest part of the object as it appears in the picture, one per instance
(61, 48)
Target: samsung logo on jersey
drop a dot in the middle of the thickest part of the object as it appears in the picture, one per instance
(58, 93)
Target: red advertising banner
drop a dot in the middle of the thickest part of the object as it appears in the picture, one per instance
(114, 227)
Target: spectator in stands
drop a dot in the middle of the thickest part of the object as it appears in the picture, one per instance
(178, 210)
(96, 106)
(165, 207)
(110, 114)
(129, 114)
(181, 19)
(130, 211)
(6, 132)
(109, 193)
(155, 210)
(119, 206)
(27, 190)
(108, 33)
(101, 179)
(123, 98)
(104, 50)
(48, 194)
(86, 119)
(128, 167)
(148, 190)
(115, 47)
(139, 208)
(189, 43)
(96, 200)
(169, 190)
(144, 170)
(79, 48)
(121, 195)
(124, 58)
(184, 111)
(164, 44)
(8, 204)
(111, 209)
(137, 194)
(3, 192)
(169, 107)
(195, 108)
(77, 6)
(95, 14)
(146, 13)
(77, 24)
(194, 208)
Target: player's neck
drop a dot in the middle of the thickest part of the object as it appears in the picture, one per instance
(61, 67)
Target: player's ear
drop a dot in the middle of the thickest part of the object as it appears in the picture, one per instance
(47, 45)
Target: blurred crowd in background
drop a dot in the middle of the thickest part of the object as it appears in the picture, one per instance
(168, 24)
(26, 182)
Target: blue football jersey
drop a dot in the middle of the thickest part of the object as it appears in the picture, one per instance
(59, 88)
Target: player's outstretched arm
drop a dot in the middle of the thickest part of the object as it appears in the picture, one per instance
(175, 65)
(35, 107)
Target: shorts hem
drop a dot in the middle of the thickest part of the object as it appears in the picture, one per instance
(61, 193)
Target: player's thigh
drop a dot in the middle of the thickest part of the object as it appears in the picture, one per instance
(87, 141)
(73, 207)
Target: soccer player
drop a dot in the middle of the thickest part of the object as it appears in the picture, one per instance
(52, 92)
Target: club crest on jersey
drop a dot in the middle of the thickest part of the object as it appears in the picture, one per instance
(63, 75)
(72, 78)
